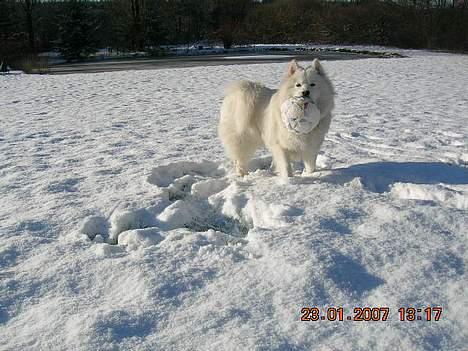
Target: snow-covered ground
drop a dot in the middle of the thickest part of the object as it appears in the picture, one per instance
(122, 229)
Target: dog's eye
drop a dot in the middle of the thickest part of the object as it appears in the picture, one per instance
(312, 84)
(298, 85)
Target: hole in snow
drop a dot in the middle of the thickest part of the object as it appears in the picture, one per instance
(220, 223)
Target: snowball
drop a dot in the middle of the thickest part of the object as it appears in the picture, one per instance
(300, 115)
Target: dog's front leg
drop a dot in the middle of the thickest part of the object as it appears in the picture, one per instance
(281, 160)
(241, 169)
(318, 136)
(310, 161)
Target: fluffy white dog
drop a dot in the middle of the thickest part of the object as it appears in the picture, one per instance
(253, 115)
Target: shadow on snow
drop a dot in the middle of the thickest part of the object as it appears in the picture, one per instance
(378, 176)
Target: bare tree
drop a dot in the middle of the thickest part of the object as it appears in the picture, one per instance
(28, 7)
(227, 16)
(138, 30)
(128, 21)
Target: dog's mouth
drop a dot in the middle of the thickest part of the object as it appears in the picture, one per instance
(305, 100)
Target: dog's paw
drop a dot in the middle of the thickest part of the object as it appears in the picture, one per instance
(308, 173)
(241, 171)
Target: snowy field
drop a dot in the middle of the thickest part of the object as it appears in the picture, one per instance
(122, 229)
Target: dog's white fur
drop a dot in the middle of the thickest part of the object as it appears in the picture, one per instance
(251, 118)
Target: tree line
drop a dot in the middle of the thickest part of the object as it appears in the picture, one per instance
(77, 28)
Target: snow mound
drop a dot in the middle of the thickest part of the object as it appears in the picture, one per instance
(178, 214)
(379, 176)
(208, 187)
(95, 225)
(137, 238)
(164, 175)
(438, 193)
(239, 204)
(134, 219)
(198, 197)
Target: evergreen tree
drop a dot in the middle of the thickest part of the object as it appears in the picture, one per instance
(78, 31)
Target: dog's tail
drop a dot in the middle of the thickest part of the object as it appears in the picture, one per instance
(240, 103)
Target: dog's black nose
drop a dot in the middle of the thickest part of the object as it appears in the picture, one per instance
(306, 93)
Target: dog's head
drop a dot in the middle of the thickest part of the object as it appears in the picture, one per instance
(310, 83)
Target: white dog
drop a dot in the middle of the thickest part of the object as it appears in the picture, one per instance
(251, 117)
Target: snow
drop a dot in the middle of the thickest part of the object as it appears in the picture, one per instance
(123, 228)
(249, 57)
(441, 194)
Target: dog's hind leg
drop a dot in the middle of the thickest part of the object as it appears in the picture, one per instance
(240, 150)
(244, 152)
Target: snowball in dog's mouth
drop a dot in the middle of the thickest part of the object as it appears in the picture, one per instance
(303, 100)
(300, 114)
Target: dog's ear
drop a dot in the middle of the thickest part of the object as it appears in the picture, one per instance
(293, 67)
(317, 66)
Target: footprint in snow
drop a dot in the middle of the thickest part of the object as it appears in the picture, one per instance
(64, 186)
